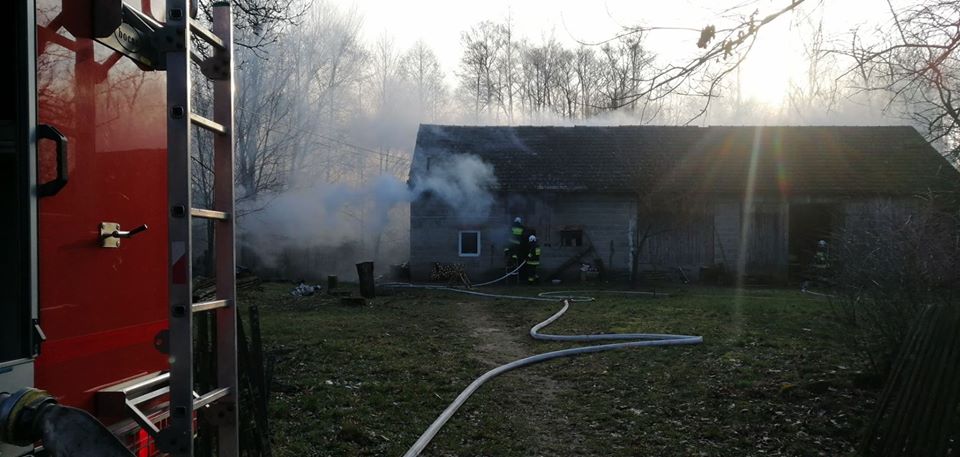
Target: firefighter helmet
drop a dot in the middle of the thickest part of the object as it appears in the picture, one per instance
(532, 238)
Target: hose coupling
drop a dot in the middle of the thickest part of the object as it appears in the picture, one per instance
(20, 414)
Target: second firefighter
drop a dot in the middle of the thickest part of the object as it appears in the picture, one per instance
(533, 260)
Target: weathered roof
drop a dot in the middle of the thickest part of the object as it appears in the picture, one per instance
(788, 160)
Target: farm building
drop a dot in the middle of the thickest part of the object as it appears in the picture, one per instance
(674, 201)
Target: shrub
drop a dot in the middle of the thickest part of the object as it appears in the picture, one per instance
(888, 262)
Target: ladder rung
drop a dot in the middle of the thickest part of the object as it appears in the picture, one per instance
(211, 397)
(117, 399)
(205, 123)
(208, 305)
(138, 386)
(207, 35)
(209, 214)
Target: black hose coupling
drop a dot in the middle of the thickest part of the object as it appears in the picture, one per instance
(20, 414)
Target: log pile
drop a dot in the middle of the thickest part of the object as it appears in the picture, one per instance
(206, 288)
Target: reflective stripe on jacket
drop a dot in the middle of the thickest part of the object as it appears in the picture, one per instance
(516, 234)
(533, 257)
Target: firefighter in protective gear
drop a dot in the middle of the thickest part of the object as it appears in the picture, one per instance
(821, 262)
(820, 258)
(514, 250)
(819, 268)
(533, 260)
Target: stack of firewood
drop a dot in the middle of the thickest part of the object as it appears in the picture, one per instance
(206, 288)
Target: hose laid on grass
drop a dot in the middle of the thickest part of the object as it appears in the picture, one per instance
(818, 294)
(544, 296)
(639, 340)
(515, 270)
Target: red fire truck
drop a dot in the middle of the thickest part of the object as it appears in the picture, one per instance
(96, 308)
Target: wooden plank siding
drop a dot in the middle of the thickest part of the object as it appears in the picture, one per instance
(676, 241)
(605, 219)
(726, 230)
(768, 246)
(711, 234)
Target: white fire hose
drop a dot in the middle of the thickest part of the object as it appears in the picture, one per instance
(636, 340)
(515, 270)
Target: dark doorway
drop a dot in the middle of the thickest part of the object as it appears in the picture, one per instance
(809, 224)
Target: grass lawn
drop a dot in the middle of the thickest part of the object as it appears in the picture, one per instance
(775, 376)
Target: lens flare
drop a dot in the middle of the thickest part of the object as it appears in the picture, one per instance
(746, 222)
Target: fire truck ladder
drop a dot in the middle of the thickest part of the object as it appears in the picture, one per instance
(220, 404)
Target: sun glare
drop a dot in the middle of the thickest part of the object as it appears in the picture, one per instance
(768, 71)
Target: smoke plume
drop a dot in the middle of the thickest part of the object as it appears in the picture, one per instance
(462, 182)
(325, 228)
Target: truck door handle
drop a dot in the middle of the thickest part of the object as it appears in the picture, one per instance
(121, 234)
(110, 234)
(49, 188)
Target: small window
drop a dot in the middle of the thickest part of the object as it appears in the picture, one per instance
(470, 243)
(571, 237)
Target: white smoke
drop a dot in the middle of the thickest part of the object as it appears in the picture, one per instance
(356, 220)
(463, 182)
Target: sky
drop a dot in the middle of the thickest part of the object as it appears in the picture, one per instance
(776, 59)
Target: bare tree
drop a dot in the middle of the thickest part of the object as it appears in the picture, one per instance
(587, 69)
(821, 88)
(723, 47)
(332, 68)
(917, 63)
(477, 74)
(420, 68)
(539, 67)
(264, 144)
(499, 75)
(265, 20)
(567, 86)
(508, 68)
(625, 64)
(385, 68)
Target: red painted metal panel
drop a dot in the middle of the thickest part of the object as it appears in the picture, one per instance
(100, 308)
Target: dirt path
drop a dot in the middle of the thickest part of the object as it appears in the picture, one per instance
(497, 344)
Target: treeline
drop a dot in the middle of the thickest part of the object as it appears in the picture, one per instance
(319, 102)
(506, 79)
